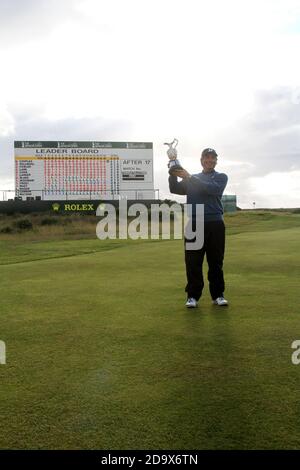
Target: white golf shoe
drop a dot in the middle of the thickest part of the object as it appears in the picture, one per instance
(191, 303)
(220, 301)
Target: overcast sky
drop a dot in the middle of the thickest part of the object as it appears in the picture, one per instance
(215, 73)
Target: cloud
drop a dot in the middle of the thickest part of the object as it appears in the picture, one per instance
(25, 20)
(275, 112)
(276, 189)
(6, 122)
(268, 137)
(265, 139)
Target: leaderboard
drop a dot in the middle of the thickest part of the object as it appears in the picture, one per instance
(56, 169)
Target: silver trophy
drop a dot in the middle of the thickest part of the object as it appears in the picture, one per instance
(174, 163)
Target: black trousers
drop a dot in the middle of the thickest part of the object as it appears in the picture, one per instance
(214, 248)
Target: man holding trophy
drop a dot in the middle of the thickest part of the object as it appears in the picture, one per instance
(205, 188)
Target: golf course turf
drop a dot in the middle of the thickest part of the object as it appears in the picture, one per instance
(102, 353)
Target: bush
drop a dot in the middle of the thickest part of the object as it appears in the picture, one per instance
(49, 221)
(66, 220)
(6, 229)
(24, 224)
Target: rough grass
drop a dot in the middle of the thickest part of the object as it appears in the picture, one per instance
(101, 352)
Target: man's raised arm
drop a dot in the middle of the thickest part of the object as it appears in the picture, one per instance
(177, 187)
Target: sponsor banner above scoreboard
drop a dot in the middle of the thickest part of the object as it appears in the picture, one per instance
(51, 169)
(81, 144)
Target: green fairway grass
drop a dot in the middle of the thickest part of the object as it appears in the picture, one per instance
(102, 353)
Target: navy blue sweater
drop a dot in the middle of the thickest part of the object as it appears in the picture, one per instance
(202, 188)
